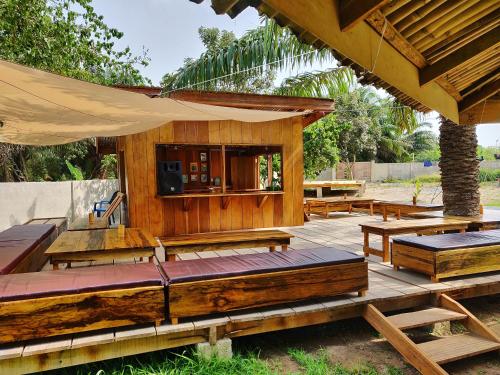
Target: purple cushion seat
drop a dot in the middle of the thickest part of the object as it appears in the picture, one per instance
(78, 280)
(238, 265)
(18, 241)
(452, 241)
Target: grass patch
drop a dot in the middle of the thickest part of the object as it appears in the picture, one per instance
(320, 364)
(190, 363)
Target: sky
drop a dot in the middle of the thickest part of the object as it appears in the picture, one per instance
(168, 30)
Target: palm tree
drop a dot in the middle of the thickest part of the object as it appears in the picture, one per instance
(459, 169)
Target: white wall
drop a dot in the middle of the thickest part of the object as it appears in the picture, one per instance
(371, 171)
(22, 201)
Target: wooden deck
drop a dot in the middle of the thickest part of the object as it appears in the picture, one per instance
(388, 291)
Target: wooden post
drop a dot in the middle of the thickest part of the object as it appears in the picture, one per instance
(269, 170)
(366, 243)
(385, 247)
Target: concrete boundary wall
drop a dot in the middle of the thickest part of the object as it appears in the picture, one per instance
(22, 201)
(371, 171)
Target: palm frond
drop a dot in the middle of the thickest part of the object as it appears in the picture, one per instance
(326, 84)
(266, 47)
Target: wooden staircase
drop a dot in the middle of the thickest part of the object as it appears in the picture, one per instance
(428, 356)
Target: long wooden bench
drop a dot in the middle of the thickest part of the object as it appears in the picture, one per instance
(213, 285)
(323, 206)
(22, 247)
(449, 254)
(50, 303)
(403, 208)
(61, 223)
(418, 226)
(224, 240)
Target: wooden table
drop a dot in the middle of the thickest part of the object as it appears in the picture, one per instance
(418, 226)
(83, 224)
(489, 219)
(224, 240)
(320, 186)
(323, 206)
(101, 245)
(399, 208)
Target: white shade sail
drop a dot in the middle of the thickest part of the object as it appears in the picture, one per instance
(41, 108)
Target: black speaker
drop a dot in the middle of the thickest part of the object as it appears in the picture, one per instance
(169, 177)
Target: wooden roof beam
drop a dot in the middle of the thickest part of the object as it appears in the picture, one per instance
(460, 56)
(480, 95)
(363, 46)
(354, 11)
(487, 112)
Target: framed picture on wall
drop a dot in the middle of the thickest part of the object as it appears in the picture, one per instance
(193, 167)
(203, 156)
(194, 177)
(204, 167)
(204, 178)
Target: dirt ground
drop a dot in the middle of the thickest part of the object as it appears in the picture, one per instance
(354, 343)
(431, 192)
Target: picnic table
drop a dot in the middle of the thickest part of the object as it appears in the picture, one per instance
(399, 208)
(489, 219)
(323, 206)
(323, 187)
(101, 245)
(418, 226)
(224, 240)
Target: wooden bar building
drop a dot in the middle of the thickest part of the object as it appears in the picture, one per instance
(235, 175)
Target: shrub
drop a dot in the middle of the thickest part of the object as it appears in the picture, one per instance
(486, 175)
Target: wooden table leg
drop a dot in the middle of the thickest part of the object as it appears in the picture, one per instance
(306, 218)
(68, 265)
(366, 243)
(461, 231)
(284, 247)
(325, 214)
(55, 266)
(371, 209)
(398, 216)
(272, 249)
(385, 247)
(170, 257)
(350, 208)
(151, 259)
(384, 212)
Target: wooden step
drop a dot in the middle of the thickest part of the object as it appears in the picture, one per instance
(453, 348)
(424, 318)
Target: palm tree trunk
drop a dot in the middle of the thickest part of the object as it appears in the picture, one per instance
(459, 169)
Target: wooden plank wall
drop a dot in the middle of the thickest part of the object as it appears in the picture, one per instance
(166, 217)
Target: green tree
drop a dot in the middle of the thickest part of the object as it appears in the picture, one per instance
(66, 37)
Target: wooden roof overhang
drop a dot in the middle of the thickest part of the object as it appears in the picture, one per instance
(310, 109)
(441, 55)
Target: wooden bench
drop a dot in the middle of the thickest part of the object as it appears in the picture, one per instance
(61, 223)
(489, 219)
(418, 226)
(199, 242)
(22, 247)
(214, 285)
(449, 254)
(323, 206)
(51, 303)
(403, 208)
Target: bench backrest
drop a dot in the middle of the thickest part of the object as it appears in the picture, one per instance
(113, 205)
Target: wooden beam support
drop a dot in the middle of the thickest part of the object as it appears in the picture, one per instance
(487, 112)
(460, 56)
(480, 95)
(354, 11)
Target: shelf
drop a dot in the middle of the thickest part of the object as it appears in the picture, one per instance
(187, 198)
(226, 194)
